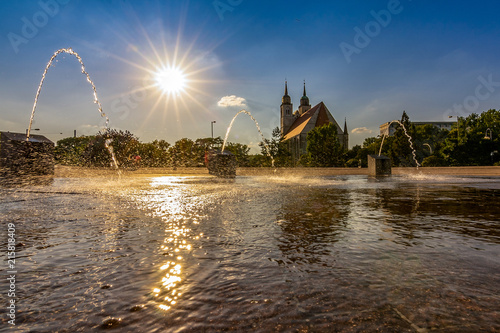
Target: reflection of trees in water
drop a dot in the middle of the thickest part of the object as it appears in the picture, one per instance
(465, 211)
(311, 222)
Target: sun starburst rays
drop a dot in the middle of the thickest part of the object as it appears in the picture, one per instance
(172, 81)
(176, 82)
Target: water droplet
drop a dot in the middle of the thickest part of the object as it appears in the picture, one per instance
(111, 322)
(137, 308)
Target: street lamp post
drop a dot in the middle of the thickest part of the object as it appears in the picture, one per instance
(212, 125)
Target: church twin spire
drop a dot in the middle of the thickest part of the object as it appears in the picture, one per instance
(286, 99)
(304, 101)
(318, 116)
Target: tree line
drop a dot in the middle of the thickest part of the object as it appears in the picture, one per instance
(129, 152)
(472, 141)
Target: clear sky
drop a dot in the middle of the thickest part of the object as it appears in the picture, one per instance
(367, 61)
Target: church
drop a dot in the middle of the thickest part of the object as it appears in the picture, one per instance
(295, 125)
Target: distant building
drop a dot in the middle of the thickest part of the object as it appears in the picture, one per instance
(295, 125)
(439, 124)
(389, 129)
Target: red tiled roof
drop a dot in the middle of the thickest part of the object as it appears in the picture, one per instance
(301, 122)
(322, 116)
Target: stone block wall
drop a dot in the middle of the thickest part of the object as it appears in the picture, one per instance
(379, 165)
(21, 157)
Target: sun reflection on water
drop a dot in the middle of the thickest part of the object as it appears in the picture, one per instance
(171, 199)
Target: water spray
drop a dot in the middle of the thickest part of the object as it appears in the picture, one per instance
(96, 100)
(258, 128)
(409, 140)
(49, 64)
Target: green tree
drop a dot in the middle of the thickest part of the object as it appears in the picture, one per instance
(240, 153)
(400, 150)
(351, 156)
(186, 153)
(277, 149)
(257, 160)
(371, 146)
(69, 151)
(474, 140)
(209, 143)
(204, 144)
(428, 141)
(154, 154)
(324, 148)
(123, 144)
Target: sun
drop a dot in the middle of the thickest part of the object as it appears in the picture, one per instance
(170, 80)
(171, 77)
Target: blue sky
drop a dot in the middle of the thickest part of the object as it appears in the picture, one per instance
(368, 61)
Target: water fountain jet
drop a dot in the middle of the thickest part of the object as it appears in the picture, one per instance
(49, 64)
(258, 129)
(27, 155)
(380, 165)
(222, 163)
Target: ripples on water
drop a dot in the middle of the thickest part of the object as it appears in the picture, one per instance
(263, 254)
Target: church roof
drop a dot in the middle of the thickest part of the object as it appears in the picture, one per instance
(317, 116)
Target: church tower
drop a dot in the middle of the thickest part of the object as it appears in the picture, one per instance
(304, 102)
(287, 117)
(345, 138)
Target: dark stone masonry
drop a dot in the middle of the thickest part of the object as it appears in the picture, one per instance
(21, 157)
(379, 165)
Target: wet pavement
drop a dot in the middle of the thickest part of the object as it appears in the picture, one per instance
(259, 253)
